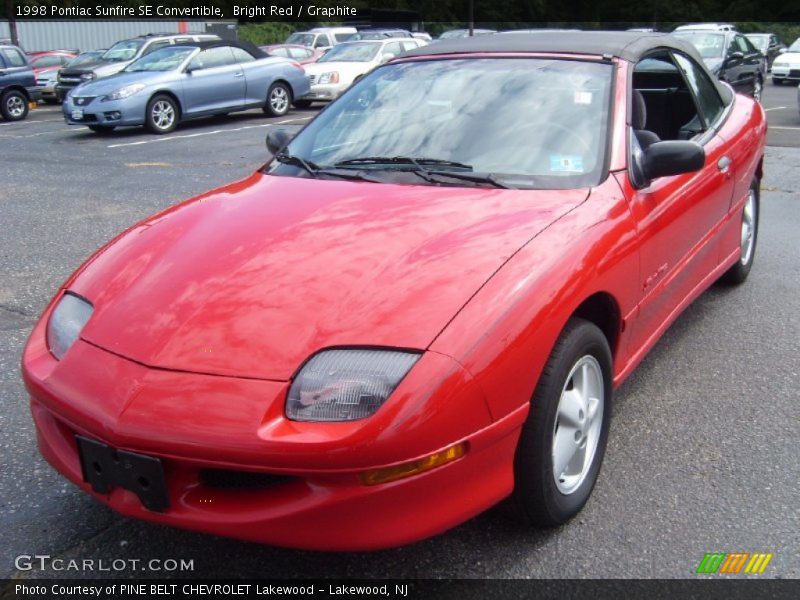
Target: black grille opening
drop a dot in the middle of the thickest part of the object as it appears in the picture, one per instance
(240, 480)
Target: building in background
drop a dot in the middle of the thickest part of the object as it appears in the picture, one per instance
(91, 34)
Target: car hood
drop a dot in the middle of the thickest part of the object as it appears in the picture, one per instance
(107, 85)
(713, 64)
(792, 58)
(89, 67)
(251, 279)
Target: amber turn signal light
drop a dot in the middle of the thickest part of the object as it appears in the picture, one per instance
(401, 471)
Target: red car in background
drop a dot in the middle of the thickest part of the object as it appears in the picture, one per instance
(419, 307)
(303, 54)
(50, 59)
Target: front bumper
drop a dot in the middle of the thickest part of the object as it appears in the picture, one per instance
(130, 111)
(325, 92)
(312, 497)
(786, 73)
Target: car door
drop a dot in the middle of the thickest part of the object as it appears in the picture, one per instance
(213, 82)
(678, 216)
(755, 60)
(15, 69)
(254, 77)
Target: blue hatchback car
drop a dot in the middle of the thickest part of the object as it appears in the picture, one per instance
(186, 81)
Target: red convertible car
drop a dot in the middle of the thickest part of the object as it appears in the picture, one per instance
(420, 307)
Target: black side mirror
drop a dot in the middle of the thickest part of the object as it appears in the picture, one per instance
(672, 158)
(278, 139)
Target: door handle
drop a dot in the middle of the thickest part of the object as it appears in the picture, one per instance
(723, 164)
(240, 74)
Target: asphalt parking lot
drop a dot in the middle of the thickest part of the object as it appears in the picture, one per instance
(702, 454)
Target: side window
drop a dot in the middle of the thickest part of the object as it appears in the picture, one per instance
(242, 56)
(739, 44)
(408, 45)
(748, 44)
(704, 90)
(322, 41)
(220, 56)
(13, 57)
(155, 46)
(393, 48)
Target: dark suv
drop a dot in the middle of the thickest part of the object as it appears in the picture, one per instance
(731, 57)
(120, 55)
(17, 83)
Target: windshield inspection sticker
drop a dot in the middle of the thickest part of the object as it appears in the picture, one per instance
(565, 163)
(582, 98)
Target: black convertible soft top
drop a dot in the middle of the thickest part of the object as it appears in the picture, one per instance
(627, 45)
(246, 46)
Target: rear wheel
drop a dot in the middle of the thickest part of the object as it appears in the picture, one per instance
(748, 236)
(14, 105)
(162, 114)
(563, 441)
(279, 100)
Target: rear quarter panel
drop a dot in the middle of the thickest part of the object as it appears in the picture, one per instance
(262, 73)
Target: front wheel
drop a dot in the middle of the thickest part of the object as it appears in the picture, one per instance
(563, 441)
(758, 88)
(279, 99)
(749, 234)
(162, 114)
(14, 105)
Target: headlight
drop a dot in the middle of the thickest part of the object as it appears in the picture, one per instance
(331, 77)
(66, 323)
(125, 92)
(346, 385)
(87, 76)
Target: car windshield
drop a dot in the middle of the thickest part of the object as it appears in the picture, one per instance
(759, 41)
(304, 39)
(517, 122)
(710, 45)
(164, 59)
(124, 50)
(351, 52)
(84, 58)
(795, 47)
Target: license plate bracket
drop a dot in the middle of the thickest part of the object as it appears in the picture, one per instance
(77, 114)
(105, 467)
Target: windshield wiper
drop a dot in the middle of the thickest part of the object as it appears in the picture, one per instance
(315, 170)
(431, 176)
(403, 160)
(474, 177)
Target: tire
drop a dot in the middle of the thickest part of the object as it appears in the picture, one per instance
(302, 103)
(540, 498)
(749, 236)
(102, 129)
(777, 81)
(14, 105)
(758, 88)
(162, 114)
(279, 100)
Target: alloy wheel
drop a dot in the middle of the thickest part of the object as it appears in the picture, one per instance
(15, 106)
(163, 114)
(748, 227)
(578, 424)
(279, 99)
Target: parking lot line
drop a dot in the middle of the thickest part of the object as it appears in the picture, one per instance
(30, 122)
(30, 135)
(192, 135)
(775, 108)
(787, 128)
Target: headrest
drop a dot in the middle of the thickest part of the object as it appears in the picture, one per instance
(639, 112)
